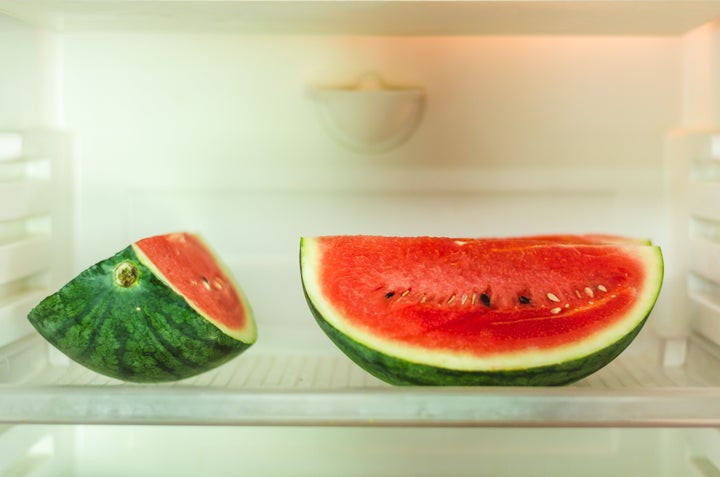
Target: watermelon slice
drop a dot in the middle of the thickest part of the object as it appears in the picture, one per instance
(162, 309)
(543, 310)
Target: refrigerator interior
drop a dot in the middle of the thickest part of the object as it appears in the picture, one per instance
(256, 123)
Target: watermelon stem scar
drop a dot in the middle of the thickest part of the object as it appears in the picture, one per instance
(126, 274)
(542, 310)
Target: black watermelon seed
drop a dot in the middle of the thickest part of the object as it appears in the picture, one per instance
(485, 299)
(524, 300)
(389, 295)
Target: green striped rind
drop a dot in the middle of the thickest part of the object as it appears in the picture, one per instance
(402, 372)
(144, 333)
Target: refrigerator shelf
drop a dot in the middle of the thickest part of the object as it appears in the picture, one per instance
(269, 387)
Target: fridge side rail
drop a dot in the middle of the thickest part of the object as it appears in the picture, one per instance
(702, 222)
(35, 225)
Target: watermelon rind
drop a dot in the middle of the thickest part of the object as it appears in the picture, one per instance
(402, 364)
(144, 332)
(399, 371)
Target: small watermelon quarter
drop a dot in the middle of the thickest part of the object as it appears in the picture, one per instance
(543, 310)
(162, 309)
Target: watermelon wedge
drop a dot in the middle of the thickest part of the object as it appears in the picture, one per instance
(162, 309)
(542, 310)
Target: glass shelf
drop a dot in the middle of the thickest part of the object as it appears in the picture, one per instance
(323, 388)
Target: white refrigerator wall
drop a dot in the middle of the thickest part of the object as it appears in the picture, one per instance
(220, 133)
(20, 53)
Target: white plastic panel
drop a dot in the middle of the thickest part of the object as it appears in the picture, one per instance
(19, 456)
(704, 199)
(24, 198)
(369, 452)
(10, 146)
(703, 146)
(20, 94)
(35, 451)
(24, 258)
(706, 317)
(373, 17)
(86, 451)
(33, 229)
(702, 446)
(704, 257)
(698, 204)
(17, 305)
(692, 202)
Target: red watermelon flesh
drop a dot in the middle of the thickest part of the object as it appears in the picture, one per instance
(482, 303)
(478, 306)
(190, 268)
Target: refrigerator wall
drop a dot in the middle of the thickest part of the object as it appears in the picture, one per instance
(255, 123)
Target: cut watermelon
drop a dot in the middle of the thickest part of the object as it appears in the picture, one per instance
(543, 310)
(162, 309)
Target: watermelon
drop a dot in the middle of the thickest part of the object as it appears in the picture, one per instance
(162, 309)
(542, 310)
